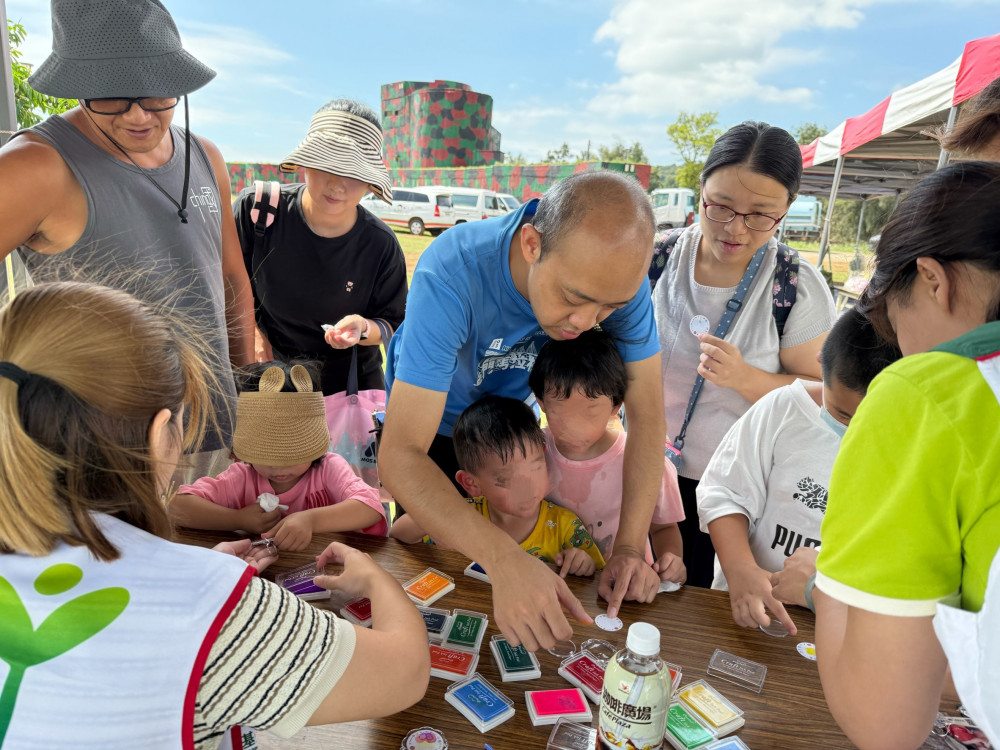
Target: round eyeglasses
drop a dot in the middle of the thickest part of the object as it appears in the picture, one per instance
(123, 105)
(724, 215)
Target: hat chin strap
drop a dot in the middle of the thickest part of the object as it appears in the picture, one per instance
(182, 206)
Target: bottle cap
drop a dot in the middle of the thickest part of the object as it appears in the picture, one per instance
(643, 639)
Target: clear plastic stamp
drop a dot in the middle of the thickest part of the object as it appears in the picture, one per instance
(514, 663)
(568, 735)
(737, 670)
(479, 702)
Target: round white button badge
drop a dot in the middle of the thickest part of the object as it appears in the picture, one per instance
(699, 325)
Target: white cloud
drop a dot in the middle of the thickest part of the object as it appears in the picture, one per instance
(697, 54)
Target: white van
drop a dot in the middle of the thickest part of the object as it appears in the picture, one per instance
(470, 204)
(673, 207)
(415, 209)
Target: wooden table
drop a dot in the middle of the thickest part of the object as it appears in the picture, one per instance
(789, 713)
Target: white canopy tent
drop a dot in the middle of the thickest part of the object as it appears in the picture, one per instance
(885, 151)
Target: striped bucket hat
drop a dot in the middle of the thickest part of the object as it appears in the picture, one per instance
(346, 145)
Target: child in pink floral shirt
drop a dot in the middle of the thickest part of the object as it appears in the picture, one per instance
(283, 444)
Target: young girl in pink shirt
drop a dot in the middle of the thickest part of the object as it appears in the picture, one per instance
(282, 443)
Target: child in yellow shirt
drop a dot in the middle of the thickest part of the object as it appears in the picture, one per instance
(501, 450)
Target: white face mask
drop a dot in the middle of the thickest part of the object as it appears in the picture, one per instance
(838, 427)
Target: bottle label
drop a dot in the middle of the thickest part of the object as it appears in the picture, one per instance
(633, 711)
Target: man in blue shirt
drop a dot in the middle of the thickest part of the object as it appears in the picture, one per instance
(484, 297)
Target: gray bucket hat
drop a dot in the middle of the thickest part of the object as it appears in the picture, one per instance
(104, 49)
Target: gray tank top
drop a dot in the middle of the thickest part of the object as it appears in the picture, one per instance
(135, 241)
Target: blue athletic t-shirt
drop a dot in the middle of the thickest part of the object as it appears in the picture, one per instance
(468, 332)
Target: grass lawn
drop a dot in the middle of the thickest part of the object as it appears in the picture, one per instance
(840, 255)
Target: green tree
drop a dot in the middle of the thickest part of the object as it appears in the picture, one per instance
(808, 132)
(32, 106)
(693, 136)
(515, 158)
(619, 151)
(663, 176)
(561, 155)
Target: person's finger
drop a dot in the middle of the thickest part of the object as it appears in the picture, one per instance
(241, 547)
(618, 591)
(565, 563)
(707, 374)
(329, 582)
(759, 613)
(335, 552)
(781, 614)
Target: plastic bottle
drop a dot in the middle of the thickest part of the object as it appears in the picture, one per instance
(636, 694)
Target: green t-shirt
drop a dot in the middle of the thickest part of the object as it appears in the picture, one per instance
(914, 509)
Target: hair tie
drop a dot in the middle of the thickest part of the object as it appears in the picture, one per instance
(12, 372)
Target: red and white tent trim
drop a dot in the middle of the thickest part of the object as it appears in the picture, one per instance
(978, 66)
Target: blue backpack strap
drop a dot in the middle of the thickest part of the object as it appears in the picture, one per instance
(786, 281)
(663, 244)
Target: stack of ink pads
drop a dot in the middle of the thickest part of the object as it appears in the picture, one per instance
(461, 636)
(700, 716)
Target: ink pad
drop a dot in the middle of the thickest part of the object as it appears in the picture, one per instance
(436, 621)
(729, 743)
(475, 570)
(428, 587)
(737, 670)
(450, 663)
(358, 611)
(479, 702)
(566, 735)
(685, 729)
(514, 664)
(584, 671)
(467, 630)
(300, 582)
(712, 706)
(548, 706)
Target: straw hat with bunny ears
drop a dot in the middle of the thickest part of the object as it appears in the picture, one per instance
(281, 429)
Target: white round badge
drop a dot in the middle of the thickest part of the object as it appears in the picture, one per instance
(699, 325)
(808, 650)
(608, 623)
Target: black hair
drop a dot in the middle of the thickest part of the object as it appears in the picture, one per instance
(951, 216)
(494, 426)
(354, 107)
(248, 376)
(853, 354)
(590, 362)
(566, 204)
(978, 125)
(764, 149)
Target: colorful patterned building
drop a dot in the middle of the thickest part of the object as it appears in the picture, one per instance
(438, 124)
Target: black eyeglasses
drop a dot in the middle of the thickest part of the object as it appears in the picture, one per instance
(724, 215)
(123, 105)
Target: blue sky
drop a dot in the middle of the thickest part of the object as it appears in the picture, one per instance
(558, 70)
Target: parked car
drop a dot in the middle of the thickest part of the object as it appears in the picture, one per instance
(673, 207)
(414, 209)
(474, 204)
(510, 201)
(804, 220)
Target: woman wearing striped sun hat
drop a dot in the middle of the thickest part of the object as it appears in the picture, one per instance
(315, 257)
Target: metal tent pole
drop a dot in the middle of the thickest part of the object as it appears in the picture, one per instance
(8, 126)
(825, 239)
(861, 221)
(952, 114)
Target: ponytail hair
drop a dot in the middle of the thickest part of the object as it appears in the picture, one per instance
(74, 434)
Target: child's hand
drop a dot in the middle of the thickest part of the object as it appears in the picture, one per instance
(293, 532)
(346, 332)
(360, 571)
(751, 598)
(254, 520)
(258, 557)
(671, 568)
(574, 561)
(788, 585)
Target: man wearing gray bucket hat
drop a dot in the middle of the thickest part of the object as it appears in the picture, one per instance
(121, 196)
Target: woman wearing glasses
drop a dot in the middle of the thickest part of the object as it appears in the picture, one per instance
(750, 179)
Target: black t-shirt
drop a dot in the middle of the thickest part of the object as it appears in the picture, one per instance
(301, 280)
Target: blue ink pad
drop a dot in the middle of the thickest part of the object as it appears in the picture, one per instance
(479, 702)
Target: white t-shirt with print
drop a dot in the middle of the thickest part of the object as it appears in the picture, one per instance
(678, 297)
(774, 467)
